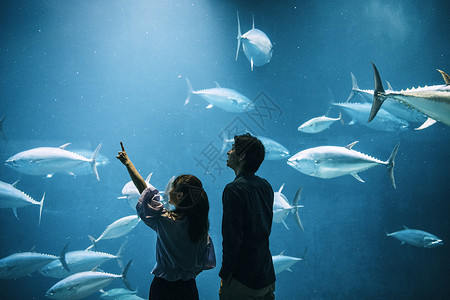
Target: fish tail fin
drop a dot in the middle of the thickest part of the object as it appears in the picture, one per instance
(93, 161)
(391, 163)
(354, 88)
(124, 276)
(378, 94)
(239, 36)
(119, 254)
(62, 257)
(94, 243)
(190, 91)
(41, 204)
(295, 210)
(303, 257)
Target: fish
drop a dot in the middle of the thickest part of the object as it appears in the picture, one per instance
(318, 124)
(227, 99)
(273, 149)
(11, 197)
(80, 261)
(256, 45)
(2, 135)
(20, 264)
(417, 238)
(433, 101)
(282, 208)
(83, 284)
(386, 121)
(116, 229)
(116, 293)
(46, 161)
(131, 194)
(282, 262)
(396, 108)
(334, 161)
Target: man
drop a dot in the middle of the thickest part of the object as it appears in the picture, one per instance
(247, 269)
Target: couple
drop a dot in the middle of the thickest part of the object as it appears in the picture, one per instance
(184, 248)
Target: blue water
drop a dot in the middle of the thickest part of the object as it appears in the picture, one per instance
(90, 72)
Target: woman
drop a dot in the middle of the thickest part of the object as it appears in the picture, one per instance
(183, 246)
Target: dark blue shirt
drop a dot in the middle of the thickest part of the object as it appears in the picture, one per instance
(246, 226)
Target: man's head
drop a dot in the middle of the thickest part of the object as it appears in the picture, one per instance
(247, 153)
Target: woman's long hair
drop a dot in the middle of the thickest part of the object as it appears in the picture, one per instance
(194, 205)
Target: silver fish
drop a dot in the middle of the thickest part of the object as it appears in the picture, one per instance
(11, 197)
(282, 262)
(47, 161)
(131, 194)
(117, 293)
(116, 229)
(318, 124)
(83, 284)
(433, 101)
(80, 261)
(282, 208)
(227, 99)
(257, 46)
(274, 150)
(334, 161)
(417, 238)
(359, 112)
(18, 265)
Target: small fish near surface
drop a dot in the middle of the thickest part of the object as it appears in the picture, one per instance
(116, 229)
(433, 101)
(11, 197)
(257, 46)
(20, 264)
(46, 161)
(83, 284)
(417, 238)
(319, 124)
(282, 208)
(227, 99)
(333, 161)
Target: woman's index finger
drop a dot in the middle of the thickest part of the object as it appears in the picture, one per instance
(121, 145)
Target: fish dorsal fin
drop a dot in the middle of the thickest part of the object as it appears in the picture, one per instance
(33, 249)
(281, 188)
(64, 146)
(253, 21)
(149, 177)
(281, 253)
(426, 124)
(209, 106)
(217, 84)
(445, 76)
(289, 269)
(349, 146)
(357, 177)
(404, 227)
(15, 183)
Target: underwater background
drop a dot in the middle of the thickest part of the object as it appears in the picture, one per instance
(90, 72)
